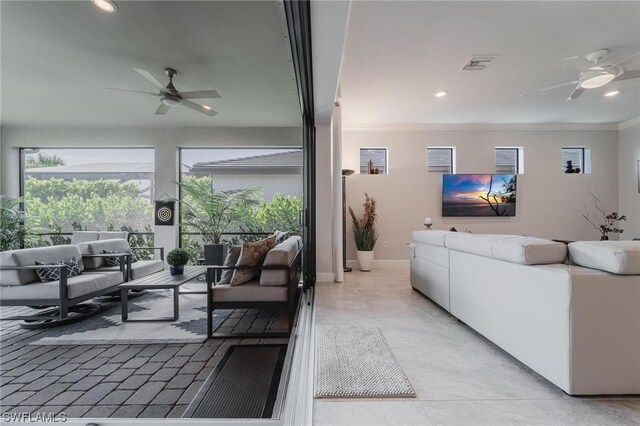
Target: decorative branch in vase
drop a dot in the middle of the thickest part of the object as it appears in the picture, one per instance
(365, 233)
(604, 222)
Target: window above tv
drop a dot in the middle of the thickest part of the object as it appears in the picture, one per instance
(509, 160)
(441, 159)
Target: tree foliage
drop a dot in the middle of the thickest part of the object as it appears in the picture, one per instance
(43, 160)
(505, 195)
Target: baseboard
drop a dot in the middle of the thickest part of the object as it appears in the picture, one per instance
(381, 262)
(324, 277)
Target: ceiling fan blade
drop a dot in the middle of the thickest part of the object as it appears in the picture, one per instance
(546, 89)
(627, 60)
(197, 107)
(150, 78)
(200, 94)
(580, 62)
(132, 91)
(627, 75)
(576, 92)
(162, 109)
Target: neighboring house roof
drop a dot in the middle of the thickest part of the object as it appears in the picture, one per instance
(120, 171)
(279, 163)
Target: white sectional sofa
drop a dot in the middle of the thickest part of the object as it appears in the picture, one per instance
(578, 326)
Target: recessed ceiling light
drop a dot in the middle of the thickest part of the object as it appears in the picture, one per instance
(441, 94)
(612, 93)
(105, 5)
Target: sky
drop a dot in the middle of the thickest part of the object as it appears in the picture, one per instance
(469, 188)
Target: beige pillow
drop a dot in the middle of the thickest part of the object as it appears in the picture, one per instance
(252, 254)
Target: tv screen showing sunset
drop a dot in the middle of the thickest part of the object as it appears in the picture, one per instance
(479, 195)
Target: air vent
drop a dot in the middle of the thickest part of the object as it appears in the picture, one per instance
(479, 62)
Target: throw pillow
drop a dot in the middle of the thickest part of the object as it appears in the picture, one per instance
(115, 261)
(252, 254)
(232, 258)
(53, 273)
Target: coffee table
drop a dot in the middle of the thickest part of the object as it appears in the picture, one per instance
(160, 280)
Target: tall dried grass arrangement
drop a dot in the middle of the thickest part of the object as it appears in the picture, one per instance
(364, 230)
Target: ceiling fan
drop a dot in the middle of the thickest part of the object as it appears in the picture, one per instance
(171, 97)
(596, 70)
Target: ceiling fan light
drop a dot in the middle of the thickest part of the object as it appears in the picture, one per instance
(597, 81)
(171, 101)
(207, 107)
(441, 94)
(105, 5)
(612, 93)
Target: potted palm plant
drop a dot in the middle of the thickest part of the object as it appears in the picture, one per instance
(212, 213)
(365, 233)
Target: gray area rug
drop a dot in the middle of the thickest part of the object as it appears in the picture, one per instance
(357, 362)
(107, 327)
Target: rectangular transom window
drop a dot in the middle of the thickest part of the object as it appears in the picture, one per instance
(441, 160)
(576, 160)
(373, 161)
(508, 160)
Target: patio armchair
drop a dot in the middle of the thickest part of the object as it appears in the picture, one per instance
(276, 288)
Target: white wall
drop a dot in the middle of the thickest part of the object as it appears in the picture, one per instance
(550, 203)
(628, 191)
(166, 142)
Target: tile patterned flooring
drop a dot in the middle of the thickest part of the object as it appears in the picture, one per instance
(460, 377)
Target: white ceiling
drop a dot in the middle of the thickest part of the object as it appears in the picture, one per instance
(398, 54)
(58, 57)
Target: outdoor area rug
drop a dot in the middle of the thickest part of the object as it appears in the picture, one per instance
(357, 362)
(107, 327)
(243, 385)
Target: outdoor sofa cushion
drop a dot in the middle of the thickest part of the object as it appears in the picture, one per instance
(140, 269)
(112, 235)
(52, 273)
(29, 257)
(98, 247)
(281, 255)
(617, 257)
(78, 286)
(252, 254)
(84, 236)
(249, 292)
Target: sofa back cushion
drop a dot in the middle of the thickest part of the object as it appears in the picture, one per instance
(434, 238)
(98, 247)
(511, 248)
(84, 236)
(617, 257)
(29, 257)
(281, 255)
(112, 235)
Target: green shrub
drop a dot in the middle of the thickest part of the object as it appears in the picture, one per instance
(178, 257)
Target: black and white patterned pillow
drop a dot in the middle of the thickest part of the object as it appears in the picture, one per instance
(115, 261)
(53, 273)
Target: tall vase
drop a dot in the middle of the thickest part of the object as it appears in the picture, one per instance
(365, 260)
(604, 238)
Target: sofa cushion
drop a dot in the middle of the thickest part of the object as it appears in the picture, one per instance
(511, 248)
(28, 257)
(281, 255)
(84, 236)
(115, 260)
(617, 257)
(52, 273)
(249, 292)
(98, 247)
(78, 286)
(434, 238)
(252, 254)
(140, 269)
(233, 253)
(113, 235)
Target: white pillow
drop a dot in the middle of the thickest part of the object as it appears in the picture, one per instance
(617, 257)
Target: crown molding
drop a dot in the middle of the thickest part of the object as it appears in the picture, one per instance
(480, 127)
(629, 123)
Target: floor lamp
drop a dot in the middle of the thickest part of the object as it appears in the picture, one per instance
(345, 173)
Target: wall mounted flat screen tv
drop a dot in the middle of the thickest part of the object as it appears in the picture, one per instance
(479, 195)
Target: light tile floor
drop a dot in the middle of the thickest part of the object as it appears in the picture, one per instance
(460, 377)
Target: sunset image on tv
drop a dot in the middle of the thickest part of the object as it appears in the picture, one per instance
(479, 195)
